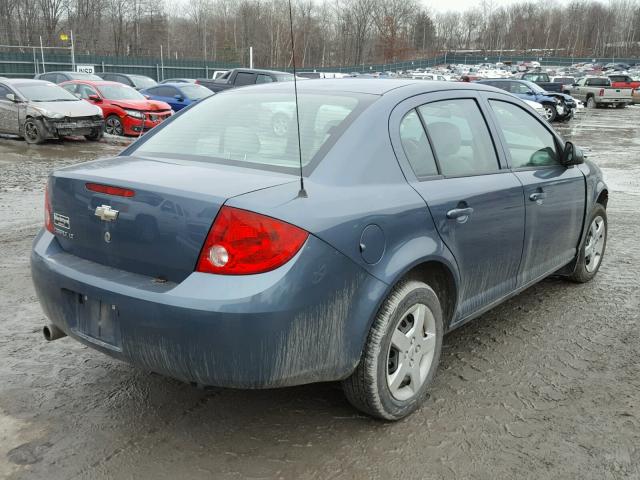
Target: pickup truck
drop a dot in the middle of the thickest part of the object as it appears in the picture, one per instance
(542, 79)
(598, 92)
(241, 77)
(624, 81)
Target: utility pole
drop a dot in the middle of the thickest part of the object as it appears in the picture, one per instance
(44, 69)
(250, 57)
(161, 64)
(73, 53)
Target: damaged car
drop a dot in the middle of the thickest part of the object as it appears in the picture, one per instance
(220, 252)
(38, 110)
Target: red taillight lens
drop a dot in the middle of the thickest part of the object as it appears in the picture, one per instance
(242, 243)
(110, 190)
(48, 211)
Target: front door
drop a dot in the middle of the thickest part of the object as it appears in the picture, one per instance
(9, 121)
(554, 195)
(477, 207)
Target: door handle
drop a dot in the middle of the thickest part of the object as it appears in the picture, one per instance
(460, 214)
(537, 196)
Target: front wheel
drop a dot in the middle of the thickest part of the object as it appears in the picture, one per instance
(401, 355)
(113, 125)
(549, 112)
(593, 247)
(34, 131)
(95, 135)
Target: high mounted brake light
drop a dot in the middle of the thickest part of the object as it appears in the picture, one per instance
(244, 243)
(110, 190)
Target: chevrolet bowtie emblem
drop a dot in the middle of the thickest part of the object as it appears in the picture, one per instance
(106, 213)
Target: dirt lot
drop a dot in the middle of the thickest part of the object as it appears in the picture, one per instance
(546, 386)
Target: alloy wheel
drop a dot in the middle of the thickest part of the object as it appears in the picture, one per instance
(411, 352)
(31, 131)
(113, 126)
(594, 246)
(548, 112)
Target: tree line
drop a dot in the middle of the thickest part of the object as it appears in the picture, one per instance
(326, 32)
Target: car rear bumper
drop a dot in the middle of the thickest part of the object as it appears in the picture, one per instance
(304, 322)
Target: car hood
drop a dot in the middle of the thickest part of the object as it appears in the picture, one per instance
(78, 108)
(145, 105)
(563, 96)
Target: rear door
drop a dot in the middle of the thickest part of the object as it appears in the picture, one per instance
(476, 204)
(554, 195)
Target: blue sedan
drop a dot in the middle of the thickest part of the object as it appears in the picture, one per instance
(214, 251)
(178, 94)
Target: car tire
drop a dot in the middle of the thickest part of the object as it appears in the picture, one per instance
(593, 247)
(621, 105)
(591, 103)
(113, 125)
(33, 131)
(549, 112)
(95, 135)
(390, 384)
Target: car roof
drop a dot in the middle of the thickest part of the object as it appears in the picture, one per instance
(95, 83)
(372, 86)
(26, 81)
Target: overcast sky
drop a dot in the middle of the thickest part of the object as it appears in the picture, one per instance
(460, 5)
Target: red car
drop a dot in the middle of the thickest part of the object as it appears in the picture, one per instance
(125, 110)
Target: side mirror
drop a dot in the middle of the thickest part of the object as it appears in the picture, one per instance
(572, 155)
(95, 98)
(11, 97)
(529, 92)
(147, 96)
(178, 97)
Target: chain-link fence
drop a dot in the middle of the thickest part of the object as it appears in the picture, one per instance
(32, 60)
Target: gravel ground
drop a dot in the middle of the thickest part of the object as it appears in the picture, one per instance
(546, 385)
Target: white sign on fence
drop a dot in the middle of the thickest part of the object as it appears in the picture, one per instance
(85, 68)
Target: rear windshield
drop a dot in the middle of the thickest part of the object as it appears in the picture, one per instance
(258, 129)
(598, 82)
(141, 81)
(196, 92)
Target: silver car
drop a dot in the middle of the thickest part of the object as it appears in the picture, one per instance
(38, 110)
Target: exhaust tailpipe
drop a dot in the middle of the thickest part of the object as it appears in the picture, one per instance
(51, 332)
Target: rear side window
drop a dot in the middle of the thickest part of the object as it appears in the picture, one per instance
(416, 145)
(258, 130)
(164, 91)
(460, 137)
(264, 79)
(243, 78)
(529, 143)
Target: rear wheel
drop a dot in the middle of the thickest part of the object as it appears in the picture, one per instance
(621, 105)
(33, 131)
(549, 112)
(401, 355)
(113, 125)
(593, 247)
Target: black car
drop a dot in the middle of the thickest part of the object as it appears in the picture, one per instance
(139, 82)
(59, 77)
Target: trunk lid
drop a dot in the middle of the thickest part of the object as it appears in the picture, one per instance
(158, 231)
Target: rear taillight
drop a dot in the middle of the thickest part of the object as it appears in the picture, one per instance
(243, 243)
(601, 92)
(110, 190)
(48, 211)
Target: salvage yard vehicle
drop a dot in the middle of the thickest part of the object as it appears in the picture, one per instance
(38, 110)
(59, 77)
(422, 207)
(240, 77)
(541, 79)
(557, 106)
(138, 82)
(126, 111)
(624, 81)
(177, 95)
(597, 92)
